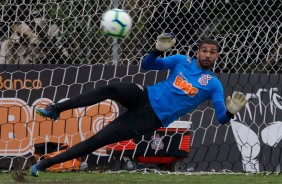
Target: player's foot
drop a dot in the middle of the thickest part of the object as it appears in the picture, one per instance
(49, 111)
(34, 171)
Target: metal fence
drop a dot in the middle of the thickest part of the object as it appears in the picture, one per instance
(67, 32)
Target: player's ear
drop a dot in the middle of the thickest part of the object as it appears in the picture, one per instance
(217, 56)
(197, 53)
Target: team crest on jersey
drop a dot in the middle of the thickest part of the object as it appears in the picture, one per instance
(204, 80)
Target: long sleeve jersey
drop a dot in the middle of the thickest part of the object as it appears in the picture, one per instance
(186, 87)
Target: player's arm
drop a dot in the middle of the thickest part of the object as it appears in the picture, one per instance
(222, 114)
(152, 62)
(233, 104)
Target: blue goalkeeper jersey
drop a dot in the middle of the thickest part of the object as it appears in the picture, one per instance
(186, 87)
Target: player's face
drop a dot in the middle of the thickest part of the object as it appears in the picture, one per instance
(207, 55)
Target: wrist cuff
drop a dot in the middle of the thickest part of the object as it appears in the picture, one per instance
(156, 52)
(229, 114)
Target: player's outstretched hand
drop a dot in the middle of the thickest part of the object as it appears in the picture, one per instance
(165, 41)
(236, 102)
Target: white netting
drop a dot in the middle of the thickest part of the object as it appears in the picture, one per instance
(66, 32)
(47, 31)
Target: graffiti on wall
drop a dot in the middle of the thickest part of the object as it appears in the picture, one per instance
(21, 127)
(250, 142)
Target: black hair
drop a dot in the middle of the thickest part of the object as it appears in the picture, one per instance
(209, 41)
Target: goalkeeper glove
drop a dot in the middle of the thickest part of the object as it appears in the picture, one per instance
(235, 103)
(165, 41)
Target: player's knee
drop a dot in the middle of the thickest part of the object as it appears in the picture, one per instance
(95, 142)
(110, 89)
(114, 87)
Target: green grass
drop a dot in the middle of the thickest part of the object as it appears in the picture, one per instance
(136, 178)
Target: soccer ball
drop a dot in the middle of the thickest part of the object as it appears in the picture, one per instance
(116, 23)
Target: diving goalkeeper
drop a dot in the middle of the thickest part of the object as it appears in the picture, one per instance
(190, 82)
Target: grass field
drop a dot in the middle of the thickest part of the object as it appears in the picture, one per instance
(128, 178)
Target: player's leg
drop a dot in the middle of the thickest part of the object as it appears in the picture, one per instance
(131, 124)
(128, 94)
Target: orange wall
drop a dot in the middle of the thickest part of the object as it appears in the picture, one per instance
(21, 127)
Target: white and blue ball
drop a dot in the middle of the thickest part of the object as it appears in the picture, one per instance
(116, 23)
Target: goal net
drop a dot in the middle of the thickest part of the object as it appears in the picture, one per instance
(53, 50)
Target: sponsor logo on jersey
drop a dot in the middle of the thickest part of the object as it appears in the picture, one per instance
(185, 86)
(204, 80)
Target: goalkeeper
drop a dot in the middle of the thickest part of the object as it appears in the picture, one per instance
(190, 82)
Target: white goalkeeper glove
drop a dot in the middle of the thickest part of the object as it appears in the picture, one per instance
(235, 104)
(165, 41)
